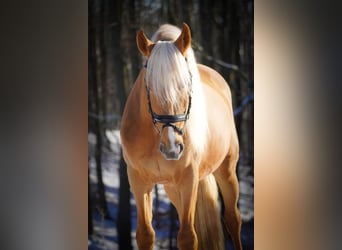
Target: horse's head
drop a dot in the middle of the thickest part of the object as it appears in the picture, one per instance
(168, 86)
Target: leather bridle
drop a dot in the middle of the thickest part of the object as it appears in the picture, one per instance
(168, 120)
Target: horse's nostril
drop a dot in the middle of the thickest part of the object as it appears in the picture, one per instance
(162, 147)
(181, 147)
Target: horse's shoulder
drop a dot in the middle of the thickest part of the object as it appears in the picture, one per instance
(132, 112)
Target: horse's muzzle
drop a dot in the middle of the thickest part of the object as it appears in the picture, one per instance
(173, 153)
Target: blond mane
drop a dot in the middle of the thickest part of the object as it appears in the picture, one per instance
(172, 78)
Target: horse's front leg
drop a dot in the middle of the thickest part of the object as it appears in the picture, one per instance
(142, 192)
(187, 238)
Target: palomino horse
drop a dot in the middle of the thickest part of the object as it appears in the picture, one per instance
(178, 130)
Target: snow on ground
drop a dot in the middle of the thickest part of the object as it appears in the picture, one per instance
(105, 233)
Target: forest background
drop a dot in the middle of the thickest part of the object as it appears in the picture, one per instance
(222, 38)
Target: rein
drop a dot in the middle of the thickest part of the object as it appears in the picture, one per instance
(168, 120)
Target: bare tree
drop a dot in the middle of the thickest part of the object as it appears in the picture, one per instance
(96, 79)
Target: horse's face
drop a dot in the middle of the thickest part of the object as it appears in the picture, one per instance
(171, 144)
(169, 81)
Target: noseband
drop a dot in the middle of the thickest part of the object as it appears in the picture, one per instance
(168, 120)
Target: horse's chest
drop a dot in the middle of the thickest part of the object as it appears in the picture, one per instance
(156, 169)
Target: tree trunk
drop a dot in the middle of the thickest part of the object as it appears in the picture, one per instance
(124, 212)
(129, 52)
(115, 65)
(96, 57)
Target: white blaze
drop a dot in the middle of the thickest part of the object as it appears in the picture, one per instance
(172, 139)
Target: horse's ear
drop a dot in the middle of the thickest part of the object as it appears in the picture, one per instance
(144, 44)
(183, 42)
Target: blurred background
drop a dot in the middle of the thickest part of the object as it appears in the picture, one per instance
(222, 38)
(45, 149)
